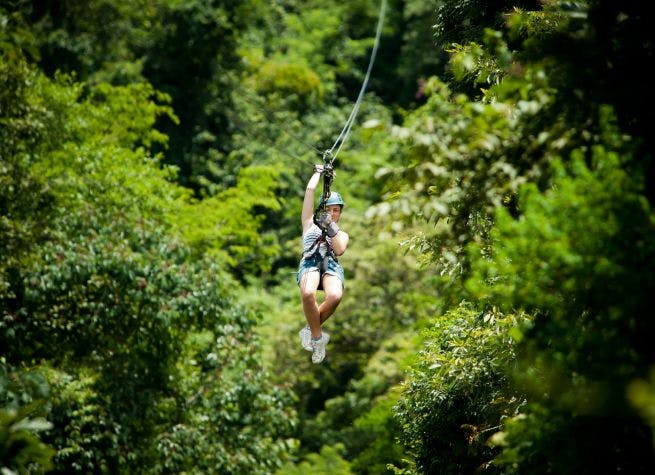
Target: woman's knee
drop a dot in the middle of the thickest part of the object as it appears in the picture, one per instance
(307, 294)
(333, 301)
(309, 285)
(333, 294)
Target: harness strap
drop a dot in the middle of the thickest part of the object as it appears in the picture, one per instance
(314, 249)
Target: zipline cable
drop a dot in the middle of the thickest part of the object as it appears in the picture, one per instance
(329, 155)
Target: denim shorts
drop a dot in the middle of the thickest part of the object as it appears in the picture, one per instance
(313, 263)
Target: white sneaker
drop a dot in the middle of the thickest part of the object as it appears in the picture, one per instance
(318, 348)
(306, 338)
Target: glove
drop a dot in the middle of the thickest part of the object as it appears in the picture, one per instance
(332, 229)
(318, 169)
(324, 221)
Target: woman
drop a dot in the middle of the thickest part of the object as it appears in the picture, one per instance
(323, 241)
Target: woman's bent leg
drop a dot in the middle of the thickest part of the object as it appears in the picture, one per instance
(333, 288)
(308, 286)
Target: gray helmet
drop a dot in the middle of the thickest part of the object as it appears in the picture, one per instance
(333, 199)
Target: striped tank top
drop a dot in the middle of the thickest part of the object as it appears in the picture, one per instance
(309, 242)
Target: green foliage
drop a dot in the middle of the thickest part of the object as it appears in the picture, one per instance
(25, 199)
(408, 53)
(328, 462)
(360, 418)
(116, 283)
(379, 449)
(108, 300)
(577, 257)
(231, 220)
(567, 239)
(457, 393)
(641, 393)
(464, 21)
(481, 65)
(25, 203)
(22, 397)
(95, 39)
(92, 150)
(460, 160)
(289, 79)
(578, 244)
(114, 315)
(534, 442)
(579, 42)
(236, 419)
(198, 71)
(330, 36)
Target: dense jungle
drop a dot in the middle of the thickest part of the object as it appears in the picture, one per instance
(498, 181)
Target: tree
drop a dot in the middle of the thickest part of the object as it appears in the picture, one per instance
(142, 348)
(540, 197)
(25, 203)
(22, 410)
(458, 394)
(578, 259)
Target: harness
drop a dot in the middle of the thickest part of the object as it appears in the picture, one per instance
(313, 253)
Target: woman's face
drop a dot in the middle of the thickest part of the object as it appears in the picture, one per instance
(334, 211)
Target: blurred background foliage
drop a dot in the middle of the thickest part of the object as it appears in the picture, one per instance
(499, 197)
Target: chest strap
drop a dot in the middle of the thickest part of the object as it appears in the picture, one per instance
(314, 249)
